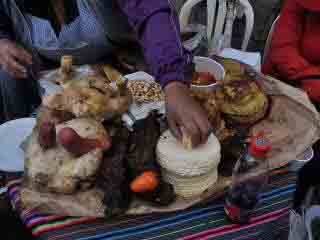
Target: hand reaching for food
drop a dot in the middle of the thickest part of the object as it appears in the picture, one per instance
(13, 59)
(183, 112)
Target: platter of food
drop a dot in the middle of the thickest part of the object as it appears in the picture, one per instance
(82, 159)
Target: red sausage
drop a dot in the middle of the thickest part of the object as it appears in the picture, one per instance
(79, 146)
(47, 135)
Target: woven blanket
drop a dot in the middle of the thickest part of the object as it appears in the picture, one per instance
(269, 220)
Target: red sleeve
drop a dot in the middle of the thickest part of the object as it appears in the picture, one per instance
(285, 54)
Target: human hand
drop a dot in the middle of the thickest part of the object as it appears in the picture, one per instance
(185, 115)
(312, 88)
(13, 59)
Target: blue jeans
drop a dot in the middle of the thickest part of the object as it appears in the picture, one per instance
(18, 97)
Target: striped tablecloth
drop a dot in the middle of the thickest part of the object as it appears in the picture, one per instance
(269, 221)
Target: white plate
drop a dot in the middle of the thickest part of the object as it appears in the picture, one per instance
(12, 134)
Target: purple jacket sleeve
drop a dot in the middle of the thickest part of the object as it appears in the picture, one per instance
(158, 31)
(5, 25)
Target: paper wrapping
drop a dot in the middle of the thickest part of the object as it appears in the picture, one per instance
(292, 126)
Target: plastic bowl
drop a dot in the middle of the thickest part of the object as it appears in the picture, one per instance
(204, 64)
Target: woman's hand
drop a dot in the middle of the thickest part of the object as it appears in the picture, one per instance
(14, 58)
(185, 114)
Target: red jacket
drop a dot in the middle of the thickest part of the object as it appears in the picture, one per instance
(295, 47)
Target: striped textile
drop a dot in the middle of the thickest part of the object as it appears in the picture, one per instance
(269, 221)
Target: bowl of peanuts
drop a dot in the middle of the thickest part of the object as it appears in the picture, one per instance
(144, 91)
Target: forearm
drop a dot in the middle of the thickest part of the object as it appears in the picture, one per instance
(286, 45)
(158, 31)
(292, 66)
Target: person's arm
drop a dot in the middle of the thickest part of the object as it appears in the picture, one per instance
(285, 50)
(285, 54)
(157, 27)
(158, 31)
(13, 58)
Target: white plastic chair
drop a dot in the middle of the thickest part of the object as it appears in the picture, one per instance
(269, 40)
(219, 27)
(226, 14)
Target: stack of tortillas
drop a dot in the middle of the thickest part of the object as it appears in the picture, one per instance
(191, 172)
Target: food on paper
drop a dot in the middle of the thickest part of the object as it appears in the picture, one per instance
(47, 135)
(79, 146)
(242, 101)
(145, 91)
(143, 163)
(58, 170)
(234, 70)
(111, 73)
(66, 70)
(209, 103)
(88, 102)
(190, 172)
(90, 81)
(66, 64)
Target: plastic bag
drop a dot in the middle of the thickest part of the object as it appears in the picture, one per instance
(298, 223)
(298, 230)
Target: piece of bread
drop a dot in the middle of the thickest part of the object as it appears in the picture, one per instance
(242, 101)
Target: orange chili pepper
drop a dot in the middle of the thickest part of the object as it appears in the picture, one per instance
(147, 181)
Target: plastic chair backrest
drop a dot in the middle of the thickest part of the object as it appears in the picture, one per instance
(269, 40)
(220, 21)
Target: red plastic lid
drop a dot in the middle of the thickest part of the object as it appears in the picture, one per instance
(259, 146)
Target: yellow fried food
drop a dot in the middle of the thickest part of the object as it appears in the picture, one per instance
(242, 101)
(91, 81)
(234, 70)
(87, 102)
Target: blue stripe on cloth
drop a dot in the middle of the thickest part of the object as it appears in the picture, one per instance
(181, 218)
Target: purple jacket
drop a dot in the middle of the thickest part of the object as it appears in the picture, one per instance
(157, 27)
